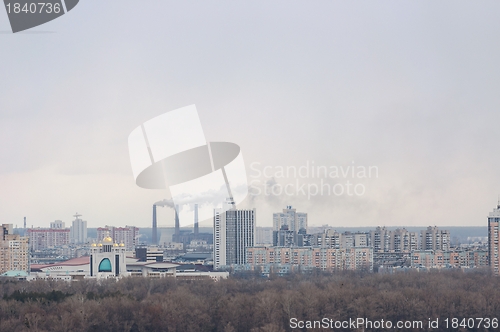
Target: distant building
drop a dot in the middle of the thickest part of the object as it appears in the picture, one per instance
(401, 240)
(58, 224)
(78, 230)
(361, 240)
(438, 259)
(107, 259)
(127, 235)
(326, 259)
(149, 254)
(263, 235)
(185, 236)
(291, 218)
(173, 246)
(199, 275)
(433, 238)
(328, 239)
(234, 232)
(335, 240)
(427, 259)
(493, 223)
(14, 251)
(79, 269)
(285, 237)
(46, 238)
(103, 232)
(380, 239)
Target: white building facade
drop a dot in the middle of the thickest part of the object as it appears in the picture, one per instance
(293, 220)
(78, 230)
(234, 231)
(493, 248)
(107, 259)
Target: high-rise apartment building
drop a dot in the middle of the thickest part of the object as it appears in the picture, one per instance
(44, 238)
(328, 239)
(78, 230)
(493, 223)
(295, 221)
(360, 239)
(433, 238)
(335, 240)
(126, 235)
(14, 252)
(234, 231)
(398, 240)
(380, 239)
(401, 240)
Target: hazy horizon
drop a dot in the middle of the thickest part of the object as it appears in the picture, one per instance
(407, 87)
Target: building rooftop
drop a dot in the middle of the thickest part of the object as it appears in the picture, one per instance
(72, 262)
(14, 273)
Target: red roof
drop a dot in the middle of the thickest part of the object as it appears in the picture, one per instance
(46, 230)
(75, 261)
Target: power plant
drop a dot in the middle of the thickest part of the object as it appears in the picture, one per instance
(196, 230)
(179, 236)
(177, 227)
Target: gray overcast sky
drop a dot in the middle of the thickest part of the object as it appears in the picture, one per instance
(410, 87)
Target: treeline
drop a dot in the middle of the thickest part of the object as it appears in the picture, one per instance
(246, 303)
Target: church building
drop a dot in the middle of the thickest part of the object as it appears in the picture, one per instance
(107, 259)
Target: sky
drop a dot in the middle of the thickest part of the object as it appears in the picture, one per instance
(409, 89)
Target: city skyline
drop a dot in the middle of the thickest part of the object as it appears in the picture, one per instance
(408, 88)
(249, 165)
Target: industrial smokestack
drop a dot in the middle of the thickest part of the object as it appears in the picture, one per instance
(24, 222)
(177, 230)
(165, 202)
(155, 228)
(196, 220)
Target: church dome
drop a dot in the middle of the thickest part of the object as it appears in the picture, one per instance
(115, 245)
(107, 239)
(122, 244)
(94, 245)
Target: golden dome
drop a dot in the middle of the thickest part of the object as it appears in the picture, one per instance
(122, 244)
(107, 239)
(115, 245)
(94, 245)
(100, 244)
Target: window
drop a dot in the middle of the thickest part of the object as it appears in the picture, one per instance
(105, 265)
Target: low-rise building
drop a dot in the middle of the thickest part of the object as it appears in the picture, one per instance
(326, 259)
(437, 259)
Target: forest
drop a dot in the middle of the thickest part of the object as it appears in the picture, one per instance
(248, 302)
